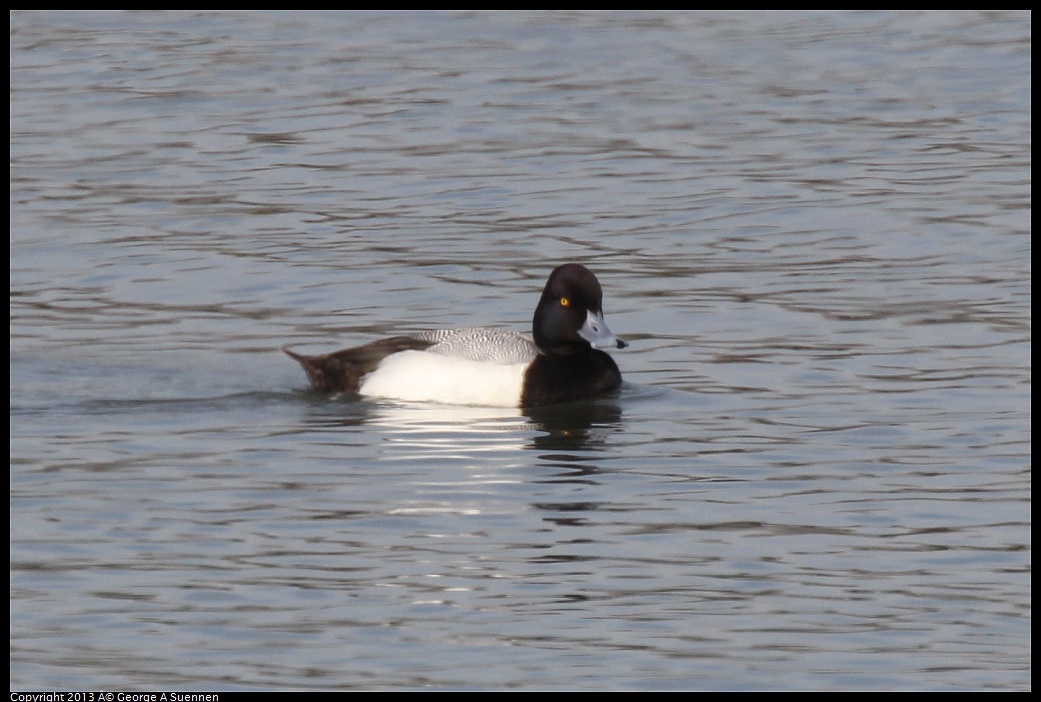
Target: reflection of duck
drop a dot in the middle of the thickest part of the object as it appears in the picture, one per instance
(484, 366)
(576, 426)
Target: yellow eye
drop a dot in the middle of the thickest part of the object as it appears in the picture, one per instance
(564, 302)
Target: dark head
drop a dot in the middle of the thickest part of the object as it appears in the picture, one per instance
(570, 316)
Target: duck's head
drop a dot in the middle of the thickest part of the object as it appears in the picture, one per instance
(570, 316)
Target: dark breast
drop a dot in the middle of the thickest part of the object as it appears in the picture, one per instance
(551, 379)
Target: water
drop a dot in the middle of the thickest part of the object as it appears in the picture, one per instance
(812, 228)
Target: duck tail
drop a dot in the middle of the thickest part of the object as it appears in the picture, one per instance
(343, 371)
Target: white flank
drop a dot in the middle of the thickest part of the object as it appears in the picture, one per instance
(420, 376)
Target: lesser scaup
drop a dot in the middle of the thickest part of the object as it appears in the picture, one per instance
(483, 366)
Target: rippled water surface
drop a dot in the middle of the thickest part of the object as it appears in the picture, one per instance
(813, 229)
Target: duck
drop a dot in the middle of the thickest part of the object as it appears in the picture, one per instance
(563, 360)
